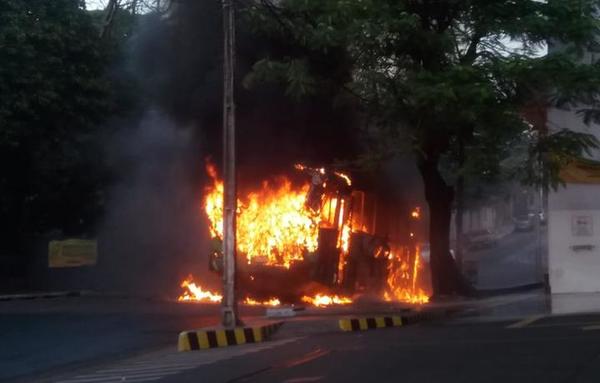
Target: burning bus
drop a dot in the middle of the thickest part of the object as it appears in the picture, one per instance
(320, 243)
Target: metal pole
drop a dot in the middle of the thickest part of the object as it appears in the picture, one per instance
(229, 305)
(460, 207)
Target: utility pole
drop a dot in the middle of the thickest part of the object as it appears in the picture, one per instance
(460, 206)
(229, 308)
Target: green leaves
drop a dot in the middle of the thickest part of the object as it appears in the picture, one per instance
(443, 71)
(53, 95)
(294, 73)
(52, 64)
(550, 154)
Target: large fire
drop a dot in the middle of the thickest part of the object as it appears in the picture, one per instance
(275, 227)
(403, 277)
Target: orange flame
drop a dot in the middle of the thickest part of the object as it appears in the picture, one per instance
(195, 293)
(273, 225)
(213, 203)
(416, 213)
(345, 177)
(271, 302)
(321, 300)
(275, 228)
(402, 281)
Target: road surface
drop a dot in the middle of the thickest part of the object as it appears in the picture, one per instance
(48, 337)
(474, 348)
(53, 335)
(550, 350)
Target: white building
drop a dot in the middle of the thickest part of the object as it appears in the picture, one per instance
(574, 217)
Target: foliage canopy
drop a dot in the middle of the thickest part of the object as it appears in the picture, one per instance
(432, 75)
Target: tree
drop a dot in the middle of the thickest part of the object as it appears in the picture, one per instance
(53, 95)
(433, 75)
(127, 10)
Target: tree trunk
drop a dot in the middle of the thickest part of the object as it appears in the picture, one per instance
(445, 276)
(110, 11)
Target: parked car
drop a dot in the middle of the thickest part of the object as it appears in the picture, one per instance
(480, 239)
(523, 223)
(542, 218)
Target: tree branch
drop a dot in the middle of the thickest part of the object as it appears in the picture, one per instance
(471, 54)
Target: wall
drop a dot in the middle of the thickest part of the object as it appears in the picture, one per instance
(573, 271)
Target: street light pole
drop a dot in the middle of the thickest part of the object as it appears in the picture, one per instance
(229, 305)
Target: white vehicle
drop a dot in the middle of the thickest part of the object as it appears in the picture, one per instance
(523, 223)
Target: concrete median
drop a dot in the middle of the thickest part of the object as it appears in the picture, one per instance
(219, 337)
(376, 322)
(369, 323)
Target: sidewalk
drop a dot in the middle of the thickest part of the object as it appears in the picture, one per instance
(502, 307)
(532, 303)
(42, 295)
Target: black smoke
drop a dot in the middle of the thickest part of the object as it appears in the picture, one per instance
(154, 232)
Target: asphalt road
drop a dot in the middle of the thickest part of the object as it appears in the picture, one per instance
(529, 349)
(43, 338)
(548, 351)
(48, 336)
(71, 339)
(98, 340)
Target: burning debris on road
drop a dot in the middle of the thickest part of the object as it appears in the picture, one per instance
(195, 293)
(315, 243)
(326, 300)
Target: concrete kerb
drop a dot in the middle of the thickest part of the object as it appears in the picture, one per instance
(218, 337)
(384, 321)
(369, 323)
(42, 295)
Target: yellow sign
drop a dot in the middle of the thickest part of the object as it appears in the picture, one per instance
(581, 172)
(72, 253)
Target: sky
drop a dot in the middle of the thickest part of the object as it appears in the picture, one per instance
(95, 4)
(101, 4)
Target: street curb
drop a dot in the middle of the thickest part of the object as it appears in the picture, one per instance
(214, 338)
(369, 323)
(60, 294)
(377, 322)
(487, 293)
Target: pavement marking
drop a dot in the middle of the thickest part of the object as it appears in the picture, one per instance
(309, 357)
(307, 379)
(163, 367)
(160, 365)
(527, 321)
